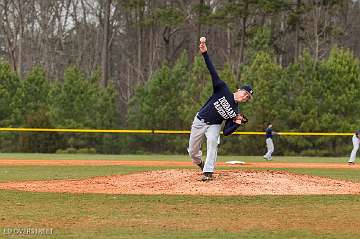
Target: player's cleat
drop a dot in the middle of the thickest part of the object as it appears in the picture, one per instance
(266, 158)
(351, 163)
(208, 176)
(201, 165)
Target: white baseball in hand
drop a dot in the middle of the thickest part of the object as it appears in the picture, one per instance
(202, 39)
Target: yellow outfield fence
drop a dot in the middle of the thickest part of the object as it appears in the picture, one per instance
(155, 131)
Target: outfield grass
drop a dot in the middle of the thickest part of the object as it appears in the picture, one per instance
(114, 216)
(343, 174)
(156, 157)
(143, 216)
(21, 173)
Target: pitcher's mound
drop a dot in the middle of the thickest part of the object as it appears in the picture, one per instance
(226, 182)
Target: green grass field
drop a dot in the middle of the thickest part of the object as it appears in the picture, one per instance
(143, 216)
(167, 158)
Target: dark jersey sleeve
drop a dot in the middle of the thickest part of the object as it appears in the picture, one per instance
(230, 127)
(217, 83)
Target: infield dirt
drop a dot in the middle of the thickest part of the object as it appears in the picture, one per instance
(186, 182)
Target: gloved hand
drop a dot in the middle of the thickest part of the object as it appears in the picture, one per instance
(241, 119)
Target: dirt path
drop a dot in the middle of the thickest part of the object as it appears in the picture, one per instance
(13, 162)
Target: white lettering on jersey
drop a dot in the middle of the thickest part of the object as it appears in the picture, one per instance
(220, 110)
(224, 108)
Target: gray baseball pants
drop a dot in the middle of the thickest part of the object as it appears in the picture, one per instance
(270, 148)
(200, 130)
(356, 142)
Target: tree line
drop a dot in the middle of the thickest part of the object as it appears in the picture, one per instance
(36, 102)
(128, 40)
(306, 96)
(135, 64)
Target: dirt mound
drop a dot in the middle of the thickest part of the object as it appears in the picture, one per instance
(226, 182)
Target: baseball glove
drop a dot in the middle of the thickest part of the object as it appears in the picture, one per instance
(241, 119)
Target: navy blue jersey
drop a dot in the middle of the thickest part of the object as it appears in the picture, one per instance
(221, 104)
(268, 133)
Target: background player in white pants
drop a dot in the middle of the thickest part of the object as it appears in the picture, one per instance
(269, 142)
(355, 141)
(222, 105)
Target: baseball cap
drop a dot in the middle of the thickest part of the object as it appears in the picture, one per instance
(248, 89)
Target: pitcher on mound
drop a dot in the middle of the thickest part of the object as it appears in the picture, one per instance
(221, 106)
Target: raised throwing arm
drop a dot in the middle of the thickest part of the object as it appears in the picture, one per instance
(214, 75)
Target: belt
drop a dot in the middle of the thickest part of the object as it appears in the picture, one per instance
(201, 119)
